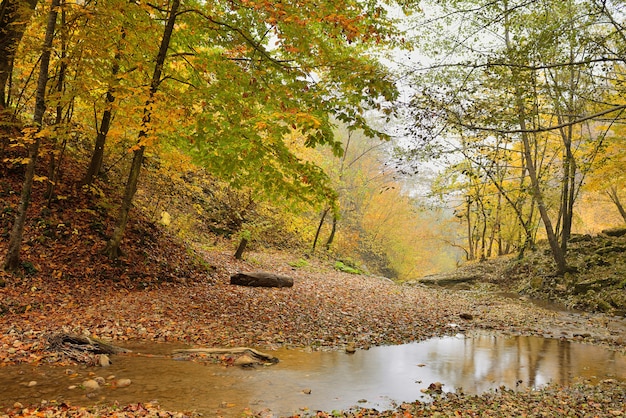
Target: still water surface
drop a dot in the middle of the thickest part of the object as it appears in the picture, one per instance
(373, 378)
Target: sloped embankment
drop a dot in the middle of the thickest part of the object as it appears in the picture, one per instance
(595, 283)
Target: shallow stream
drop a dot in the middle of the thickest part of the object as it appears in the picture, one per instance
(309, 381)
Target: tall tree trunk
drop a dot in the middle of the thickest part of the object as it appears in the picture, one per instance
(568, 189)
(113, 246)
(471, 254)
(557, 253)
(14, 17)
(568, 197)
(55, 156)
(97, 156)
(12, 260)
(483, 234)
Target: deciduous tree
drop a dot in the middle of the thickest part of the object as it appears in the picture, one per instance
(12, 259)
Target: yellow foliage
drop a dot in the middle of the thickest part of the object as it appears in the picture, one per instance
(166, 219)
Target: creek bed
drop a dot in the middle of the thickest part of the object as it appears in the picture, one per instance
(319, 380)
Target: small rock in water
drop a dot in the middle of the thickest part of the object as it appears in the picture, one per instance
(350, 348)
(104, 360)
(122, 383)
(436, 387)
(100, 380)
(91, 384)
(18, 405)
(306, 391)
(244, 361)
(32, 383)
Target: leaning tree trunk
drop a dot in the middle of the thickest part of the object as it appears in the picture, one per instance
(14, 17)
(333, 231)
(113, 246)
(112, 249)
(12, 260)
(319, 229)
(612, 192)
(557, 253)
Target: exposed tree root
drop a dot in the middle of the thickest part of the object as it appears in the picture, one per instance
(80, 348)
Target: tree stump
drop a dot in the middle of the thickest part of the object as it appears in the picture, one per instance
(261, 279)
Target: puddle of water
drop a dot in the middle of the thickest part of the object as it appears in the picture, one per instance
(374, 378)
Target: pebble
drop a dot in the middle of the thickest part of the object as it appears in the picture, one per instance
(122, 383)
(32, 383)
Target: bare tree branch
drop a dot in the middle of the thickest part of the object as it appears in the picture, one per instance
(540, 129)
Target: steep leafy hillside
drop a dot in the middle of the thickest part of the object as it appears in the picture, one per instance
(64, 237)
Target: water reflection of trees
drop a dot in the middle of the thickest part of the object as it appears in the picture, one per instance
(488, 361)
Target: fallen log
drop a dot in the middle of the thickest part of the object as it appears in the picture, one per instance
(245, 356)
(261, 279)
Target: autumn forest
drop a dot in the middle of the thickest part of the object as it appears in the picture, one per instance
(165, 145)
(310, 120)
